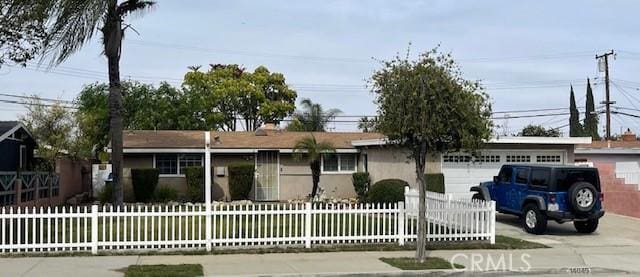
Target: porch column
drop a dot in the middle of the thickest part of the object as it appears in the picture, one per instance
(207, 187)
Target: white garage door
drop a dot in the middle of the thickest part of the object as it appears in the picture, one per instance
(461, 171)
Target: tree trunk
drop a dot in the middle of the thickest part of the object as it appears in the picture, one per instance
(315, 174)
(420, 154)
(112, 32)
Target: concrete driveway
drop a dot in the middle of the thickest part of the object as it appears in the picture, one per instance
(615, 245)
(613, 231)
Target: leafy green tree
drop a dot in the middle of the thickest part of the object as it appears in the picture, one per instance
(311, 150)
(145, 108)
(367, 124)
(255, 97)
(427, 106)
(312, 118)
(23, 29)
(55, 129)
(575, 128)
(538, 131)
(591, 117)
(73, 24)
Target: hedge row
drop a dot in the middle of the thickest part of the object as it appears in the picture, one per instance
(391, 190)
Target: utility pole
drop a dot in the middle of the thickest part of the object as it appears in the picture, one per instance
(603, 65)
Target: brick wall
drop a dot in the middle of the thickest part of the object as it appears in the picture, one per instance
(619, 198)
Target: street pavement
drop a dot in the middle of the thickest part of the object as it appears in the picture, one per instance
(614, 250)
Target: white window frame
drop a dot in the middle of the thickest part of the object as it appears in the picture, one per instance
(340, 171)
(179, 174)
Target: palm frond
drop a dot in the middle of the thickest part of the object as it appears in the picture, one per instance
(74, 22)
(138, 7)
(310, 149)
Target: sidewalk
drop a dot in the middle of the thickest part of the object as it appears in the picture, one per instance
(606, 261)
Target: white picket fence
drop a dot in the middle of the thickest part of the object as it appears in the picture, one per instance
(132, 227)
(451, 217)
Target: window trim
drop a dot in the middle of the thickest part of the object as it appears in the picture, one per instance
(178, 174)
(339, 171)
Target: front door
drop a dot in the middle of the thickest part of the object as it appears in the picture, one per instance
(267, 175)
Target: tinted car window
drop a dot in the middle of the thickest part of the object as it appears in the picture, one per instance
(505, 174)
(567, 177)
(540, 177)
(522, 175)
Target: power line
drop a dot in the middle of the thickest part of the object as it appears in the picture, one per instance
(36, 98)
(34, 104)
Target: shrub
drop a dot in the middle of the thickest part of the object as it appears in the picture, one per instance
(195, 183)
(240, 180)
(105, 195)
(387, 191)
(361, 182)
(165, 194)
(145, 181)
(435, 182)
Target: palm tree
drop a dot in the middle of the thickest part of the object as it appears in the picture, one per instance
(74, 23)
(311, 150)
(312, 118)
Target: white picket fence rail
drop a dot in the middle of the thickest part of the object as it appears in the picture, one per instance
(138, 227)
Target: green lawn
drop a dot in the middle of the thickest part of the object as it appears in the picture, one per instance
(182, 270)
(412, 264)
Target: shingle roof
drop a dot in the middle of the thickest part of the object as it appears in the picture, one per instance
(6, 126)
(236, 140)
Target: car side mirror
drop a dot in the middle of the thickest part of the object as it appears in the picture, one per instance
(495, 179)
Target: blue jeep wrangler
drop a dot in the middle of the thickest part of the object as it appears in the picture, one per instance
(538, 193)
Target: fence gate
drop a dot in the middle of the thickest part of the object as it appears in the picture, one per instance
(267, 175)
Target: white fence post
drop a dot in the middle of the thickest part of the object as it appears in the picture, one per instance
(492, 221)
(94, 229)
(307, 225)
(400, 225)
(207, 190)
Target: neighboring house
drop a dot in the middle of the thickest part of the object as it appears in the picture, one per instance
(16, 146)
(619, 165)
(280, 177)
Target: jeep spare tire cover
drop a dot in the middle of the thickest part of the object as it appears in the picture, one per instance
(582, 196)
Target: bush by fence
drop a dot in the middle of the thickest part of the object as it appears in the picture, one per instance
(165, 194)
(435, 182)
(361, 182)
(195, 183)
(240, 180)
(387, 191)
(145, 181)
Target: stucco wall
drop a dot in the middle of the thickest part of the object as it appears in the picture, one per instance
(220, 185)
(296, 181)
(393, 163)
(179, 183)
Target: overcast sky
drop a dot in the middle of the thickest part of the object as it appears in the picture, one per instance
(527, 55)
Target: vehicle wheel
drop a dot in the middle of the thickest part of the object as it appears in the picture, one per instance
(586, 227)
(533, 220)
(477, 196)
(582, 196)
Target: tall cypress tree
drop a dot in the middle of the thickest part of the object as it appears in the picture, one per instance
(591, 118)
(575, 128)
